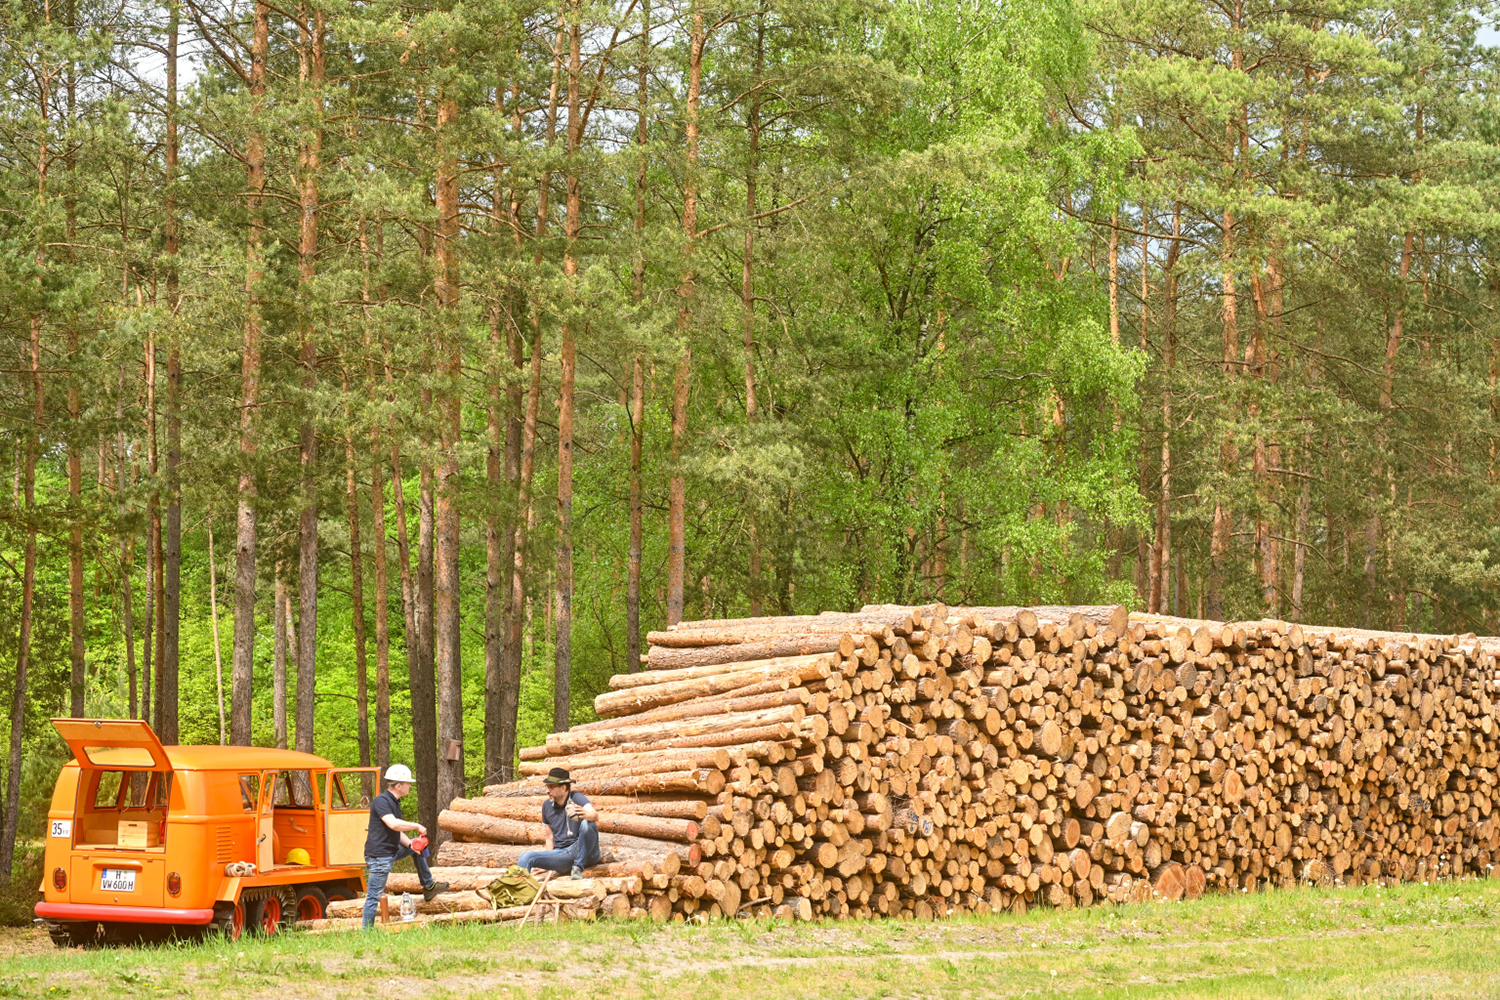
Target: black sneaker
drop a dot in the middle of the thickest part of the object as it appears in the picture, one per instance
(578, 873)
(433, 890)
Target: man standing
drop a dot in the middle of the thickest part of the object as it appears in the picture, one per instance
(572, 830)
(387, 842)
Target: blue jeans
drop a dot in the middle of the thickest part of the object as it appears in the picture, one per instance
(582, 853)
(379, 871)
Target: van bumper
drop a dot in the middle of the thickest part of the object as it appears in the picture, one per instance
(122, 914)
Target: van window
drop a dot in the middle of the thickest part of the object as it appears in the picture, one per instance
(293, 790)
(249, 792)
(350, 790)
(138, 791)
(107, 795)
(119, 756)
(148, 790)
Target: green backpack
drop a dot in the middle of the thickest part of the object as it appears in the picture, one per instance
(515, 887)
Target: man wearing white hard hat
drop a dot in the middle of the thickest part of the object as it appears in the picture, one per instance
(387, 842)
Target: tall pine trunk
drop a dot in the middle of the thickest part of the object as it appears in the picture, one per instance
(243, 672)
(637, 374)
(747, 286)
(357, 594)
(172, 561)
(687, 291)
(562, 672)
(156, 612)
(519, 598)
(127, 549)
(77, 680)
(382, 609)
(282, 618)
(28, 573)
(447, 662)
(497, 537)
(311, 62)
(424, 728)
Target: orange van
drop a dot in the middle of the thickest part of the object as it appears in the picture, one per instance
(143, 838)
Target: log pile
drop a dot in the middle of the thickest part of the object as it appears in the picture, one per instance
(915, 762)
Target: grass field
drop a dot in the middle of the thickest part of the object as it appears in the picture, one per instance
(1439, 940)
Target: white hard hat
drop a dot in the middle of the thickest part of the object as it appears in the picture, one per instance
(399, 772)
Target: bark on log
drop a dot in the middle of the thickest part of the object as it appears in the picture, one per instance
(656, 828)
(661, 658)
(563, 744)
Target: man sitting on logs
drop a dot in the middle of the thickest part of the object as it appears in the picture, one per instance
(572, 830)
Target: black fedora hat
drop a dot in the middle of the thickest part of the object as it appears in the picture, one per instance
(557, 776)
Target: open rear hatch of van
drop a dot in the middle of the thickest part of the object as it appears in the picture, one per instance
(113, 744)
(119, 819)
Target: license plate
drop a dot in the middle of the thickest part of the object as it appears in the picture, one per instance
(117, 880)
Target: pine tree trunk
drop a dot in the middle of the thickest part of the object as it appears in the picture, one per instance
(687, 291)
(382, 610)
(1161, 556)
(148, 636)
(497, 555)
(1219, 541)
(311, 59)
(213, 611)
(151, 702)
(747, 288)
(357, 595)
(409, 601)
(282, 616)
(77, 680)
(562, 672)
(637, 374)
(243, 672)
(633, 569)
(516, 646)
(172, 591)
(448, 664)
(28, 579)
(127, 551)
(424, 728)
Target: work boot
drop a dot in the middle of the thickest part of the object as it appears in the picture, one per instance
(432, 891)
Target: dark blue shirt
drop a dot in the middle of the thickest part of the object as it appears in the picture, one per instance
(564, 828)
(382, 841)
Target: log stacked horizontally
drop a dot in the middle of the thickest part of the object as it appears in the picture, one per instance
(919, 761)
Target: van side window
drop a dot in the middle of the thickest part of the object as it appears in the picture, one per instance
(348, 791)
(138, 795)
(293, 790)
(107, 794)
(161, 791)
(249, 791)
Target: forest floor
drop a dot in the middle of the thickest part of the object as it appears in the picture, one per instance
(1437, 940)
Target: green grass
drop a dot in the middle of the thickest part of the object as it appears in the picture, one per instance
(1437, 940)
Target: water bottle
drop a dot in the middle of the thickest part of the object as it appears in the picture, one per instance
(408, 908)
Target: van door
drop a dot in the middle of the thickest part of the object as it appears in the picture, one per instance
(265, 833)
(347, 796)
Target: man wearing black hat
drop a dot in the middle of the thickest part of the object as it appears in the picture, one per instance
(572, 830)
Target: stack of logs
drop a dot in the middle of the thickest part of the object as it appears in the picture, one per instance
(921, 761)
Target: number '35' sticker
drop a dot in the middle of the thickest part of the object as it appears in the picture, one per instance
(62, 828)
